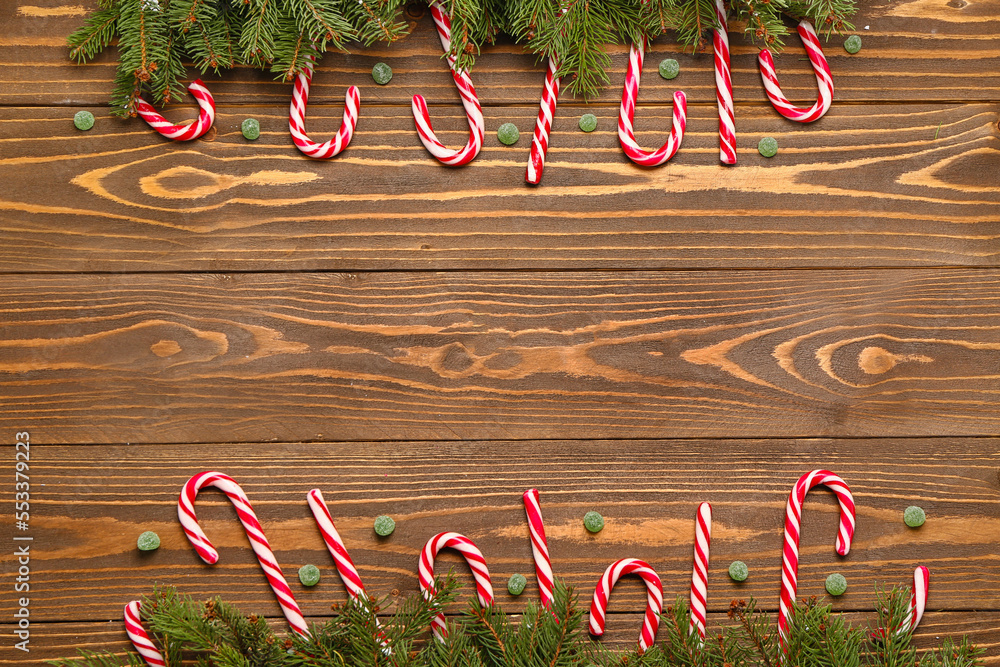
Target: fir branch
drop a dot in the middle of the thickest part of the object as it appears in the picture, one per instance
(95, 34)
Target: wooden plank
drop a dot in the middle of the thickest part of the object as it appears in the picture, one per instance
(913, 51)
(452, 356)
(89, 503)
(52, 641)
(867, 186)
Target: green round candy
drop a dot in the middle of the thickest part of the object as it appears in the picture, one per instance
(588, 122)
(914, 517)
(309, 575)
(836, 584)
(384, 525)
(738, 571)
(768, 146)
(516, 584)
(852, 44)
(84, 120)
(382, 73)
(593, 522)
(250, 128)
(508, 134)
(148, 541)
(669, 68)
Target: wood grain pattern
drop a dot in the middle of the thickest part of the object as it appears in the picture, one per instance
(914, 50)
(90, 504)
(866, 186)
(452, 356)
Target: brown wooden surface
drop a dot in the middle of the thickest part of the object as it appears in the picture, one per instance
(429, 342)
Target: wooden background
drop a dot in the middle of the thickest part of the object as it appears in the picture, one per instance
(429, 342)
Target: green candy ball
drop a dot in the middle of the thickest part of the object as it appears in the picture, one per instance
(250, 128)
(588, 122)
(84, 120)
(669, 68)
(384, 525)
(382, 73)
(516, 584)
(309, 575)
(768, 146)
(852, 44)
(738, 571)
(914, 517)
(836, 584)
(148, 541)
(593, 522)
(508, 134)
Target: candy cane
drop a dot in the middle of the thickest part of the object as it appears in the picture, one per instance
(699, 574)
(206, 115)
(473, 556)
(793, 518)
(654, 598)
(543, 125)
(201, 543)
(473, 110)
(297, 117)
(539, 547)
(918, 599)
(141, 640)
(724, 87)
(345, 566)
(626, 134)
(823, 80)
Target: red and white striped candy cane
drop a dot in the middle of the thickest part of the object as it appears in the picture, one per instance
(201, 543)
(824, 80)
(626, 133)
(473, 110)
(345, 566)
(654, 598)
(699, 574)
(141, 640)
(297, 118)
(206, 115)
(539, 547)
(543, 125)
(724, 87)
(473, 556)
(793, 520)
(918, 599)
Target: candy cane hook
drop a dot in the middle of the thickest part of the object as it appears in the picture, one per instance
(539, 547)
(918, 599)
(297, 117)
(724, 87)
(141, 640)
(824, 80)
(206, 115)
(654, 598)
(699, 574)
(207, 552)
(473, 110)
(626, 133)
(793, 518)
(473, 556)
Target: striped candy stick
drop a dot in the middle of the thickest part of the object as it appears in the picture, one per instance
(793, 520)
(626, 114)
(473, 110)
(141, 640)
(918, 599)
(335, 545)
(824, 80)
(297, 117)
(206, 115)
(724, 87)
(473, 556)
(201, 543)
(543, 125)
(699, 574)
(654, 598)
(539, 547)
